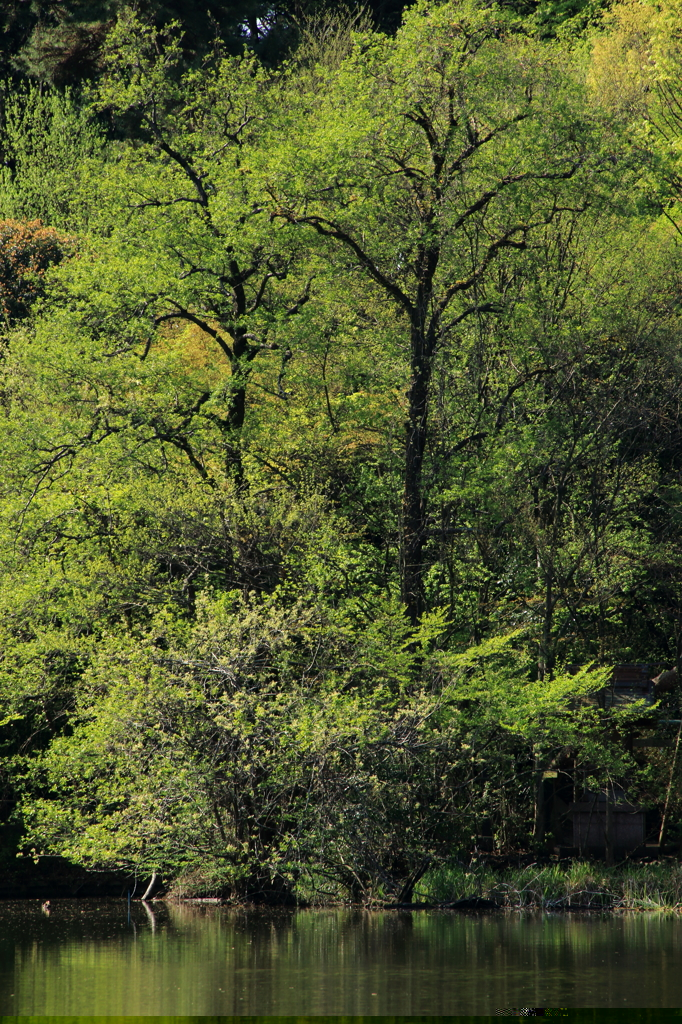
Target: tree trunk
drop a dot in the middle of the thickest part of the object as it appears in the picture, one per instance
(546, 659)
(406, 893)
(539, 827)
(240, 373)
(150, 888)
(254, 29)
(414, 506)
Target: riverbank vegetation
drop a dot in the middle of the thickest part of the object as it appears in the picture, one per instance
(482, 887)
(340, 438)
(578, 886)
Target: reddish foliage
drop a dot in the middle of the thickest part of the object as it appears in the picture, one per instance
(27, 250)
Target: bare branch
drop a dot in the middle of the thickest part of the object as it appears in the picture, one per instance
(329, 229)
(185, 314)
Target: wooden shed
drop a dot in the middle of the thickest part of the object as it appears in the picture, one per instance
(602, 824)
(628, 683)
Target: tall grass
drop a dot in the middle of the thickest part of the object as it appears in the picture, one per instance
(580, 885)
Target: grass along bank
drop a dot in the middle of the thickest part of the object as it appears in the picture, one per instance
(580, 885)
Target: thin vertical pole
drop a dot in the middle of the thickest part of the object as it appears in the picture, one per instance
(670, 786)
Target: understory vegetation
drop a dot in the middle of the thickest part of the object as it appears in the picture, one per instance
(578, 886)
(340, 447)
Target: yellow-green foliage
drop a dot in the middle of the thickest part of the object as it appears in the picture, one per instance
(339, 462)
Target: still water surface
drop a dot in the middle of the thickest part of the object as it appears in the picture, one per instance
(88, 958)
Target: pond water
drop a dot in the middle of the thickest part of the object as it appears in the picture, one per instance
(90, 958)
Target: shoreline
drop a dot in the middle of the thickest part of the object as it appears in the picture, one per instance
(237, 906)
(580, 886)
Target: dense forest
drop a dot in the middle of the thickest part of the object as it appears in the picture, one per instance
(341, 460)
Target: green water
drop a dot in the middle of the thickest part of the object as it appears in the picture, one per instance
(89, 959)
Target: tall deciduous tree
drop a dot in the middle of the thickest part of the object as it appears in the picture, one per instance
(429, 159)
(187, 240)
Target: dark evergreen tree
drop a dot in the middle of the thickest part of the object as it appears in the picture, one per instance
(59, 41)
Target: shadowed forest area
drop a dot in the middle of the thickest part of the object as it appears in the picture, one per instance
(340, 447)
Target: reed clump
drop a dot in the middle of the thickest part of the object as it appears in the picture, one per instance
(580, 885)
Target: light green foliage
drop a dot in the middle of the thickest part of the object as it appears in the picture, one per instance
(281, 745)
(425, 167)
(52, 152)
(283, 285)
(556, 464)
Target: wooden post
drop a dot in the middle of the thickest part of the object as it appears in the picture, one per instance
(670, 786)
(608, 829)
(539, 829)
